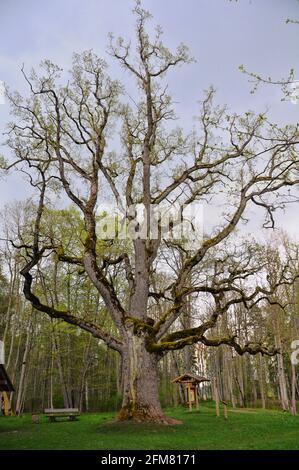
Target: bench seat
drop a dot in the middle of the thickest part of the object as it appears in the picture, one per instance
(53, 413)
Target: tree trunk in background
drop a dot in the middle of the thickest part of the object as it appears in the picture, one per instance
(84, 371)
(12, 290)
(254, 390)
(249, 368)
(240, 382)
(262, 382)
(86, 396)
(19, 310)
(21, 386)
(282, 383)
(230, 366)
(186, 323)
(293, 405)
(66, 399)
(51, 404)
(283, 391)
(178, 373)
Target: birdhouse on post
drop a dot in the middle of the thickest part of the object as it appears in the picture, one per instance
(191, 383)
(6, 386)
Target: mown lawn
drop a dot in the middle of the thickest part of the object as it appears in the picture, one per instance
(244, 429)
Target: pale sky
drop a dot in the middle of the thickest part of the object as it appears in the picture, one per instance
(221, 35)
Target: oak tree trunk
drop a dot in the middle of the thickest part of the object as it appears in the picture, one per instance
(141, 400)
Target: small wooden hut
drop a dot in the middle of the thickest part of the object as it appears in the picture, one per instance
(191, 383)
(6, 387)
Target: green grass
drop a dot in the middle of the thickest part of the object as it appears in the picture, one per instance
(248, 429)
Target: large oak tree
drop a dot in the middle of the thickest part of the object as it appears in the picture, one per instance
(63, 138)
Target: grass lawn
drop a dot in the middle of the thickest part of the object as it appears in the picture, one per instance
(244, 429)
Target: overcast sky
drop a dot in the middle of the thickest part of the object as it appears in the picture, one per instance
(221, 35)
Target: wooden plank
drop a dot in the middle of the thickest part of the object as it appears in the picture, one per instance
(196, 398)
(53, 413)
(189, 397)
(61, 410)
(216, 398)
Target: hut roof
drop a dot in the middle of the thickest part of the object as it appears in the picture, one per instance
(190, 378)
(5, 383)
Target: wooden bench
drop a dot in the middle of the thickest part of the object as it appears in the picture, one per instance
(53, 413)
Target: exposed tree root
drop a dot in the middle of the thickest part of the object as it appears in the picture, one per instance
(144, 414)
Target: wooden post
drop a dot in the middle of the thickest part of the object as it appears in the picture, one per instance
(189, 397)
(34, 419)
(216, 399)
(6, 404)
(196, 396)
(225, 409)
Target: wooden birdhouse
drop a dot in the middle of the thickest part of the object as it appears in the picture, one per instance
(191, 383)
